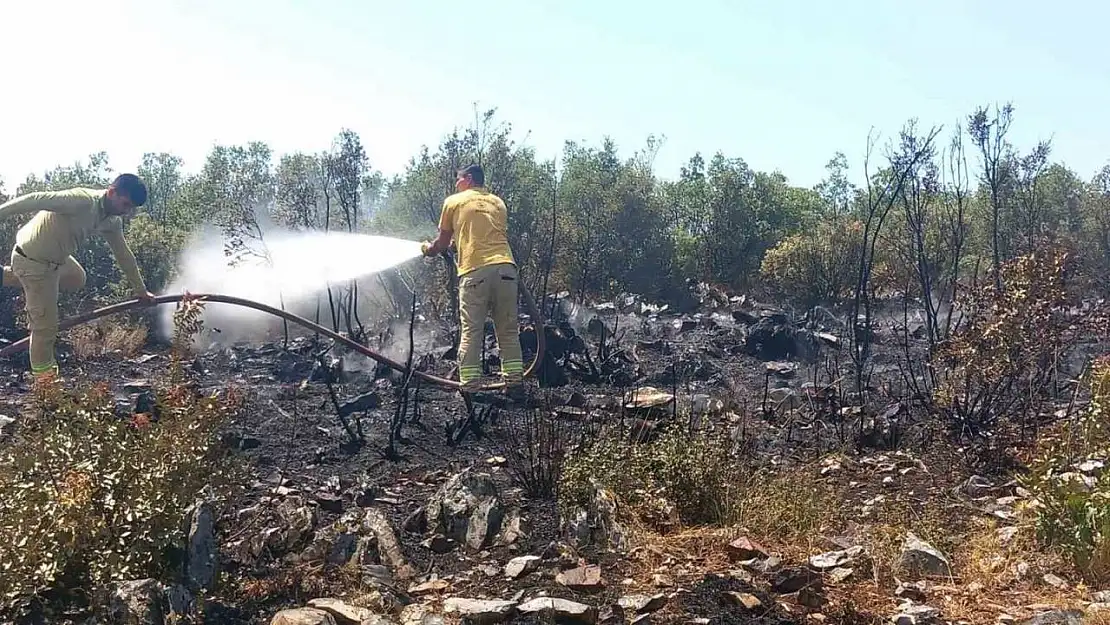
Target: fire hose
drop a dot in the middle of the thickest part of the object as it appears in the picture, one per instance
(136, 304)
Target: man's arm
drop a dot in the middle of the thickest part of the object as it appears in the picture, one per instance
(113, 234)
(446, 230)
(56, 201)
(442, 242)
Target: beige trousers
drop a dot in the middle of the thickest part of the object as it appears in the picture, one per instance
(491, 289)
(41, 282)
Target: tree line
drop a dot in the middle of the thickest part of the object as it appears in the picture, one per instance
(939, 207)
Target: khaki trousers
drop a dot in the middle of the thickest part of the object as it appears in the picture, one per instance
(491, 289)
(41, 282)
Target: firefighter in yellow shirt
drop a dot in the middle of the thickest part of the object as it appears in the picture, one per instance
(477, 220)
(42, 261)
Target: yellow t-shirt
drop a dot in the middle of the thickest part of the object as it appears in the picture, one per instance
(478, 221)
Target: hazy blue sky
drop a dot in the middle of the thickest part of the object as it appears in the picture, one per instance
(781, 84)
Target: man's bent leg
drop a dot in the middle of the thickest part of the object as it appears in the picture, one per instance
(474, 294)
(71, 276)
(505, 322)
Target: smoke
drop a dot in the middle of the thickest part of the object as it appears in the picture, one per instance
(294, 274)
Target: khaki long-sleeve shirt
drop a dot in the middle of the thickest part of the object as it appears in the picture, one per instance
(62, 221)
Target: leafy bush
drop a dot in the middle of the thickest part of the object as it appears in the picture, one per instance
(693, 478)
(817, 265)
(680, 477)
(1002, 362)
(1071, 484)
(91, 497)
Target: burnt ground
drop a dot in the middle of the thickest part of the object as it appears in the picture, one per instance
(777, 387)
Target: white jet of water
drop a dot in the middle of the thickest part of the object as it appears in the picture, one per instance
(295, 274)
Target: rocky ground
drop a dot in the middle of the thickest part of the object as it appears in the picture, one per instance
(326, 529)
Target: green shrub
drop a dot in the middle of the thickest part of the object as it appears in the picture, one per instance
(678, 477)
(817, 265)
(1071, 485)
(689, 478)
(91, 497)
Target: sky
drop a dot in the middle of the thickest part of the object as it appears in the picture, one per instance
(783, 85)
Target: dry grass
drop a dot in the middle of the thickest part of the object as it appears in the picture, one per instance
(794, 514)
(107, 337)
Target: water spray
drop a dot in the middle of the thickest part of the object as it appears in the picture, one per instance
(136, 304)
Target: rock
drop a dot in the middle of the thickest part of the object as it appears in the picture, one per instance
(484, 524)
(139, 602)
(745, 548)
(833, 559)
(916, 615)
(583, 578)
(745, 600)
(201, 550)
(438, 544)
(389, 546)
(773, 338)
(513, 528)
(919, 557)
(466, 509)
(1101, 596)
(1090, 466)
(373, 601)
(560, 610)
(1056, 617)
(781, 369)
(840, 574)
(1006, 534)
(519, 567)
(6, 423)
(303, 616)
(1055, 581)
(792, 580)
(648, 398)
(811, 598)
(430, 586)
(976, 486)
(640, 604)
(479, 611)
(296, 523)
(179, 600)
(343, 613)
(596, 526)
(914, 591)
(701, 403)
(763, 566)
(329, 501)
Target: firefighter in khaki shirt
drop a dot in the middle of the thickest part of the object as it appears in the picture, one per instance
(478, 222)
(42, 263)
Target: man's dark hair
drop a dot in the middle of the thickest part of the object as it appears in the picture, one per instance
(475, 172)
(131, 186)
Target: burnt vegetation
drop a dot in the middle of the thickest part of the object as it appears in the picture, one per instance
(758, 402)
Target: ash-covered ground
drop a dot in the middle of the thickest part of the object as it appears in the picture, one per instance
(328, 522)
